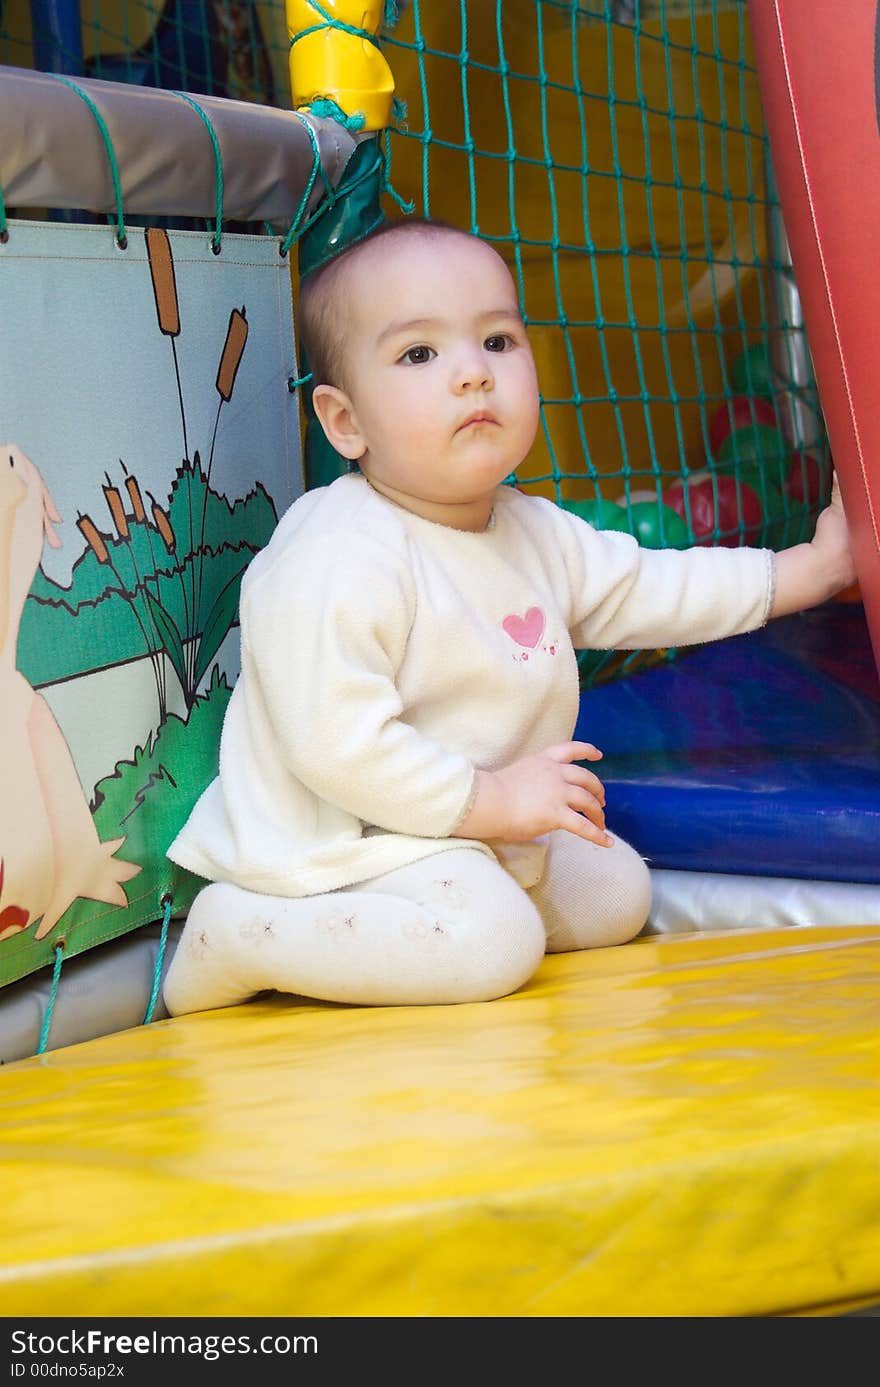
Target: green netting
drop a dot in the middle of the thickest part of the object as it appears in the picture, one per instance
(614, 153)
(234, 48)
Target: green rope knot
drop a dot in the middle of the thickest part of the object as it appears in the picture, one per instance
(326, 109)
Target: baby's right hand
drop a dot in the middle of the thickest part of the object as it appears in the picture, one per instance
(538, 794)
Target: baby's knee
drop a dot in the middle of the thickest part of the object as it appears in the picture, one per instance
(592, 896)
(506, 951)
(629, 895)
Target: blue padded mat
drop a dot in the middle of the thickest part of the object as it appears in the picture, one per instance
(758, 755)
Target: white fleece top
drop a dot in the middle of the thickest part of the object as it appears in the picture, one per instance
(385, 657)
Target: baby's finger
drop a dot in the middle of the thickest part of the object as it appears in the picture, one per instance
(587, 805)
(574, 751)
(836, 498)
(582, 828)
(578, 775)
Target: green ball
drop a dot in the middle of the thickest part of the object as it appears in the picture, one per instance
(646, 518)
(786, 522)
(601, 514)
(754, 443)
(753, 451)
(752, 372)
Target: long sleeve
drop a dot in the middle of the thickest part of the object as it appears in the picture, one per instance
(625, 597)
(323, 633)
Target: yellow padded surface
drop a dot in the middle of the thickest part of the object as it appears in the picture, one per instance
(682, 1126)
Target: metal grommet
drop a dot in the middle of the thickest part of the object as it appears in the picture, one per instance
(215, 248)
(4, 237)
(122, 243)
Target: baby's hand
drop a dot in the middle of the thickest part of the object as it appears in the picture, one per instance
(538, 794)
(547, 791)
(831, 538)
(808, 574)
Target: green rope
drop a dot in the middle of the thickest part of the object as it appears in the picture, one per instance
(168, 903)
(53, 993)
(121, 238)
(317, 168)
(331, 22)
(387, 186)
(4, 231)
(218, 168)
(294, 382)
(325, 109)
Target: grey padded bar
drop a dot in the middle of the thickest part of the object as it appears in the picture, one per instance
(52, 153)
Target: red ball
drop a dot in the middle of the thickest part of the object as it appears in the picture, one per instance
(736, 413)
(807, 479)
(705, 519)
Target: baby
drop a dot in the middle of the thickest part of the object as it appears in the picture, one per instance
(400, 816)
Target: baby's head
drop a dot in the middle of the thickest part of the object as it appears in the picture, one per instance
(421, 366)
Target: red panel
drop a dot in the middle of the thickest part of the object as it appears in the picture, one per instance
(815, 63)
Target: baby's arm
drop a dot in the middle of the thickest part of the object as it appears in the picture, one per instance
(808, 574)
(624, 597)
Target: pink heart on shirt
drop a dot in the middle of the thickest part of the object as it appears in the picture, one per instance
(526, 630)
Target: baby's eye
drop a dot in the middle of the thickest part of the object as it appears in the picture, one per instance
(417, 356)
(498, 342)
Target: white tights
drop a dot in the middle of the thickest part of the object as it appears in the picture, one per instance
(453, 927)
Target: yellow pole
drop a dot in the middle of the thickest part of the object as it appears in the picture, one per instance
(335, 64)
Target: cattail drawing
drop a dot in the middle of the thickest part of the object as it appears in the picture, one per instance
(167, 307)
(93, 538)
(137, 504)
(116, 509)
(163, 525)
(233, 351)
(192, 646)
(133, 593)
(230, 360)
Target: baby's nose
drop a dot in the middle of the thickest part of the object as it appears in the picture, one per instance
(475, 374)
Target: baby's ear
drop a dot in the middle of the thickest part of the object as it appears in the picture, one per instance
(336, 416)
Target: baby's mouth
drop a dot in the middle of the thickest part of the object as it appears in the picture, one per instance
(479, 417)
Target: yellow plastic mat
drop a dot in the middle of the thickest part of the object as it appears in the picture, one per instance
(682, 1126)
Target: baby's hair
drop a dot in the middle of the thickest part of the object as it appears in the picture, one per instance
(321, 316)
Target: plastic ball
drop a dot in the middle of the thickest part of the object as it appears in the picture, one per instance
(755, 447)
(807, 479)
(601, 514)
(752, 372)
(658, 526)
(717, 504)
(643, 493)
(735, 413)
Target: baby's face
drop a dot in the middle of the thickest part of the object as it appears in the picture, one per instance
(438, 368)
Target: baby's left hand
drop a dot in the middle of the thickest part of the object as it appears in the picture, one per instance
(808, 574)
(832, 542)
